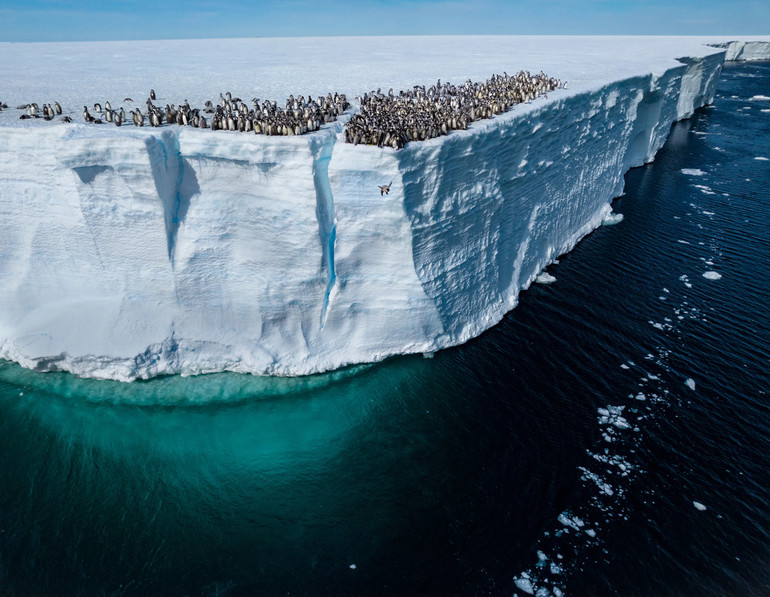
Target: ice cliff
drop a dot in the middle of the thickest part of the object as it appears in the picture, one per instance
(128, 253)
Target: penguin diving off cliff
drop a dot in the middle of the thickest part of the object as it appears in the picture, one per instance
(385, 189)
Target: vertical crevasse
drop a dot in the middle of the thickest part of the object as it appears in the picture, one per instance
(327, 223)
(175, 182)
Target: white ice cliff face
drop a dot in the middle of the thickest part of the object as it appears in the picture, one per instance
(128, 253)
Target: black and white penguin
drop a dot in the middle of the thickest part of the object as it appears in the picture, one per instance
(58, 107)
(152, 94)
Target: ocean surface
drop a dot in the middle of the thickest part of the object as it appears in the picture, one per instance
(611, 436)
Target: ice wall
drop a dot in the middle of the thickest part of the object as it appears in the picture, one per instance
(745, 50)
(128, 253)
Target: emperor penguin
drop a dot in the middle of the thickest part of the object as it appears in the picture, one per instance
(152, 94)
(58, 107)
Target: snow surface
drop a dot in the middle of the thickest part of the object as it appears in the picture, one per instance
(130, 252)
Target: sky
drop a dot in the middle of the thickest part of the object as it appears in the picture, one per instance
(104, 20)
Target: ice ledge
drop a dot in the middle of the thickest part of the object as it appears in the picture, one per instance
(134, 255)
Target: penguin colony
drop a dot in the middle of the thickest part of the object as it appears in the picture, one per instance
(383, 120)
(419, 114)
(232, 114)
(301, 115)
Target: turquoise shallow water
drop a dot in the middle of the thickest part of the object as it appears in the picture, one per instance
(527, 451)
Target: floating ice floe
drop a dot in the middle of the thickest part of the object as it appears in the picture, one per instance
(600, 483)
(759, 98)
(761, 158)
(692, 172)
(711, 275)
(698, 506)
(704, 189)
(612, 415)
(524, 584)
(690, 383)
(611, 219)
(545, 278)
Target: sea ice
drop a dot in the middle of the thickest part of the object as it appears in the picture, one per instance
(712, 275)
(699, 506)
(545, 278)
(690, 383)
(523, 583)
(704, 189)
(762, 159)
(571, 521)
(692, 172)
(611, 219)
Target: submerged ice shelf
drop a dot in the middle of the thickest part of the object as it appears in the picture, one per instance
(130, 253)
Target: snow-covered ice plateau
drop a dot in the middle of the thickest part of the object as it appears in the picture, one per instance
(128, 253)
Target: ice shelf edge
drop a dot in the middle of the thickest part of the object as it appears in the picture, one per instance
(137, 258)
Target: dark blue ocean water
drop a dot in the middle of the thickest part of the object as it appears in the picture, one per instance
(611, 436)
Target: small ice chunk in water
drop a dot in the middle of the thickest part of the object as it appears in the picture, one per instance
(545, 278)
(690, 383)
(699, 506)
(352, 566)
(692, 172)
(524, 584)
(762, 159)
(711, 275)
(572, 522)
(611, 219)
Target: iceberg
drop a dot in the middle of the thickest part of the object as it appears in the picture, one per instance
(134, 252)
